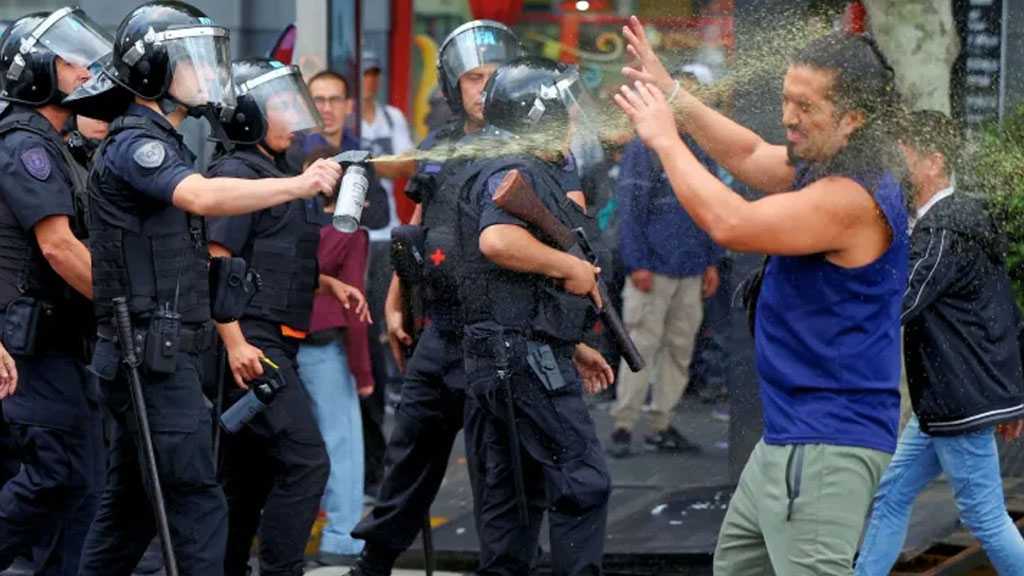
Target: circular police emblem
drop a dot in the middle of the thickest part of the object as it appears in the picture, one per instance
(149, 155)
(36, 162)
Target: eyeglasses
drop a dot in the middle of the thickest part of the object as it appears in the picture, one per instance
(329, 100)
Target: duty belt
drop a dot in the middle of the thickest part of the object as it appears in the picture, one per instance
(194, 338)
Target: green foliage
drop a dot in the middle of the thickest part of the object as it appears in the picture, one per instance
(996, 167)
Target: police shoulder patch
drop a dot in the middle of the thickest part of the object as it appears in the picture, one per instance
(150, 154)
(37, 162)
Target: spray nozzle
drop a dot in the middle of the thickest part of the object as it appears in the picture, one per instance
(351, 157)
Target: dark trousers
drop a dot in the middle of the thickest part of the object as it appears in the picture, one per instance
(378, 278)
(427, 421)
(55, 433)
(563, 466)
(274, 470)
(197, 512)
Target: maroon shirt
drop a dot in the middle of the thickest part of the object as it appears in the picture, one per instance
(343, 256)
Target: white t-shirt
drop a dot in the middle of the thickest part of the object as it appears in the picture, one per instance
(388, 134)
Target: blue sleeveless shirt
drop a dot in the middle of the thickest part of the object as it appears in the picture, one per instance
(827, 338)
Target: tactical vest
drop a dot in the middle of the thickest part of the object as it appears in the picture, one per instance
(23, 268)
(282, 249)
(529, 302)
(157, 259)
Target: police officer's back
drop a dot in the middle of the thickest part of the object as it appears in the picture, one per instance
(45, 282)
(149, 246)
(523, 330)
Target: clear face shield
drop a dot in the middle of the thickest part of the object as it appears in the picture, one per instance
(584, 124)
(200, 62)
(477, 44)
(73, 36)
(284, 100)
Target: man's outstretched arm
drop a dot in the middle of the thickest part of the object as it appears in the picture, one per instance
(762, 166)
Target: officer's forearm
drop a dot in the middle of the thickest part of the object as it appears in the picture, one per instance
(65, 253)
(232, 196)
(393, 300)
(230, 334)
(514, 248)
(327, 284)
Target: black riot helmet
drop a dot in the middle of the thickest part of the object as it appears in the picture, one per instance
(169, 50)
(530, 92)
(543, 102)
(30, 47)
(469, 46)
(268, 92)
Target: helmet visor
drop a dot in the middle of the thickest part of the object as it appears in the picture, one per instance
(475, 46)
(200, 63)
(283, 99)
(584, 127)
(73, 36)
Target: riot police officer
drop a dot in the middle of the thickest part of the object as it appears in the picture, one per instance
(277, 464)
(430, 414)
(524, 361)
(45, 284)
(148, 241)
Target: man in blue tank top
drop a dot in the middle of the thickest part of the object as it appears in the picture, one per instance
(834, 222)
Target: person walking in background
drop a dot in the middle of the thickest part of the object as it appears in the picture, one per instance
(337, 335)
(962, 351)
(671, 267)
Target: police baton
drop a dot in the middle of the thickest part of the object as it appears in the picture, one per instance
(123, 323)
(515, 196)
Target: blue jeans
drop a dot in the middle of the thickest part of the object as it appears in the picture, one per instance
(330, 385)
(971, 462)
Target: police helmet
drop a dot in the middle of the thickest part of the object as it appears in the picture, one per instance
(471, 45)
(268, 92)
(166, 40)
(529, 90)
(29, 49)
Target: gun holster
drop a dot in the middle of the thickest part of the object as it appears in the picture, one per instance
(232, 286)
(407, 245)
(26, 323)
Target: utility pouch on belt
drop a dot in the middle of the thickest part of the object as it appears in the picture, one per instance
(542, 361)
(23, 322)
(232, 287)
(407, 253)
(162, 341)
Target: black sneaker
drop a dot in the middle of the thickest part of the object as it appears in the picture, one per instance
(621, 443)
(670, 440)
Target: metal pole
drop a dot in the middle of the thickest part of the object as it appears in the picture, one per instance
(358, 83)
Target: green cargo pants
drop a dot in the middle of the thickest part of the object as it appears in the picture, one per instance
(798, 510)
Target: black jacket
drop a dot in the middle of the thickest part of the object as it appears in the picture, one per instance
(961, 343)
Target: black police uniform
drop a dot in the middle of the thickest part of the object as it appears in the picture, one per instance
(521, 330)
(53, 417)
(156, 255)
(432, 407)
(277, 465)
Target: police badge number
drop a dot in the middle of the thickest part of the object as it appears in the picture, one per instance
(149, 155)
(37, 163)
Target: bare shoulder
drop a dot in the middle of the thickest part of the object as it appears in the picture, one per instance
(850, 206)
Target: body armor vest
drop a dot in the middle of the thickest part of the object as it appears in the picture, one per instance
(157, 259)
(23, 268)
(282, 248)
(528, 302)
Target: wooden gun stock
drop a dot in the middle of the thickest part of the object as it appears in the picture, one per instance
(515, 196)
